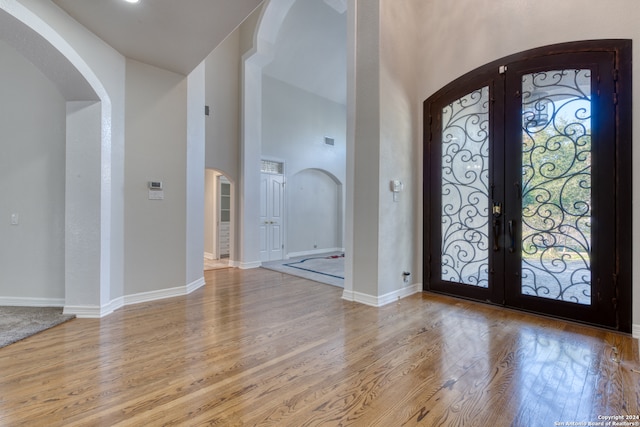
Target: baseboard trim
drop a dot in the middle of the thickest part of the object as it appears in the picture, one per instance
(635, 331)
(195, 285)
(248, 265)
(314, 252)
(379, 301)
(208, 255)
(93, 312)
(32, 302)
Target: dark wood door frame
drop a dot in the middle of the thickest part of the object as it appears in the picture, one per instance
(620, 51)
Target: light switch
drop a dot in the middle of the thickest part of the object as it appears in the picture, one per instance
(15, 219)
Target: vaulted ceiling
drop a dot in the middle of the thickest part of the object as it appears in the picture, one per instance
(172, 34)
(311, 49)
(176, 35)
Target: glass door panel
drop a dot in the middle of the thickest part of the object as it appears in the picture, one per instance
(465, 190)
(559, 133)
(556, 185)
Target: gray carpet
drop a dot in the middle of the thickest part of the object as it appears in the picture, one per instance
(325, 268)
(17, 323)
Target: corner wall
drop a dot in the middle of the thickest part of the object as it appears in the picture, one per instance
(156, 150)
(382, 131)
(400, 214)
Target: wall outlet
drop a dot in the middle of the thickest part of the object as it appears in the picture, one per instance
(15, 219)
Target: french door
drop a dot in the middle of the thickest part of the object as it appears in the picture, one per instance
(271, 217)
(524, 204)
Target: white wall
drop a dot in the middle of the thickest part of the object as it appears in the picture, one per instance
(156, 132)
(314, 213)
(222, 71)
(195, 185)
(363, 192)
(82, 205)
(294, 125)
(383, 147)
(32, 182)
(399, 153)
(457, 37)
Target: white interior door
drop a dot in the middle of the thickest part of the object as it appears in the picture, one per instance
(271, 217)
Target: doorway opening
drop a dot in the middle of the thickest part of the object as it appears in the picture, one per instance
(300, 84)
(219, 225)
(527, 183)
(315, 214)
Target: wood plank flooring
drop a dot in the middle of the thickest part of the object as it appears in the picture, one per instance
(259, 348)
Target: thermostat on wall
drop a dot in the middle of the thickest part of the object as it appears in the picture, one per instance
(155, 190)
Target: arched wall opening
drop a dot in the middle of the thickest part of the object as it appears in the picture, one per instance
(273, 14)
(219, 226)
(298, 140)
(315, 213)
(84, 233)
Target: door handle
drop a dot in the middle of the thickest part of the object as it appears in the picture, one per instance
(496, 210)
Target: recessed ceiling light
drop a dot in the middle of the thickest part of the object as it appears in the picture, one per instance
(132, 1)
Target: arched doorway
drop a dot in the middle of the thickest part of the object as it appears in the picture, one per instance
(315, 213)
(93, 219)
(275, 103)
(218, 220)
(527, 203)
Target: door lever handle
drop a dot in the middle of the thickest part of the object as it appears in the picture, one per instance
(496, 210)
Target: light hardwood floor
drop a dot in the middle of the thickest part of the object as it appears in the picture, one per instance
(257, 347)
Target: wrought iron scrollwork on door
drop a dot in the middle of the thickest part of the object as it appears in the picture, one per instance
(465, 189)
(556, 185)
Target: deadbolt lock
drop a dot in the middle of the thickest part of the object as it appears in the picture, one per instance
(497, 209)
